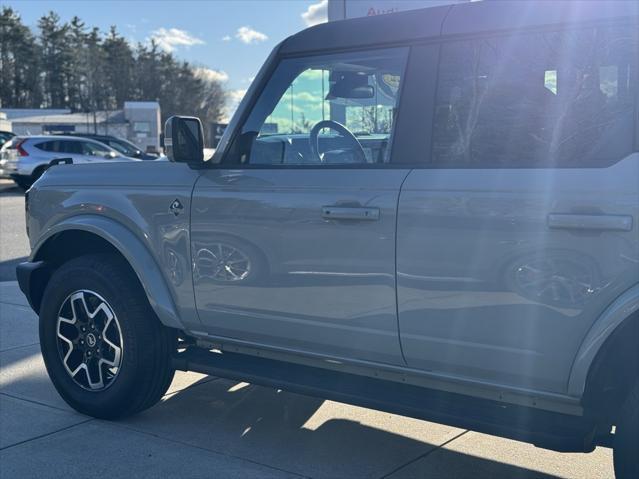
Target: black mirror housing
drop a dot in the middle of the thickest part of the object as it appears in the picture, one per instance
(350, 85)
(184, 139)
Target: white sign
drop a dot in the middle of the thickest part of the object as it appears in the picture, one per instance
(341, 9)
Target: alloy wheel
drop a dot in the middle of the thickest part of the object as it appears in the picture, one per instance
(89, 340)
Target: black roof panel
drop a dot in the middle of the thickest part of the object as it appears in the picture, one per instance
(380, 29)
(458, 19)
(495, 15)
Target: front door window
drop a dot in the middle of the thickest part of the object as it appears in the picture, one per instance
(326, 110)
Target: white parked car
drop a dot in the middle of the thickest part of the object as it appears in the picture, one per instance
(25, 158)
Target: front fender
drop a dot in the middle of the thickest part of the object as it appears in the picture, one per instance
(620, 310)
(134, 251)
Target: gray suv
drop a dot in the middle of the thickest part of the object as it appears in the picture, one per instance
(432, 213)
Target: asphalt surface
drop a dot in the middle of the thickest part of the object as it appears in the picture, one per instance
(211, 427)
(14, 245)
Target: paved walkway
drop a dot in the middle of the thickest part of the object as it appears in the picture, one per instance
(209, 427)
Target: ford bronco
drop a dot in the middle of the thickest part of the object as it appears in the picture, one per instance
(433, 213)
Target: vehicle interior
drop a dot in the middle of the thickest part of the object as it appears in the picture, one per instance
(561, 110)
(334, 109)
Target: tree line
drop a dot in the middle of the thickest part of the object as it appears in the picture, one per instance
(71, 65)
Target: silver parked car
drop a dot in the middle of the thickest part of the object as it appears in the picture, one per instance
(25, 158)
(433, 213)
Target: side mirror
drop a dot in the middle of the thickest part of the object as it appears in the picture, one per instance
(184, 139)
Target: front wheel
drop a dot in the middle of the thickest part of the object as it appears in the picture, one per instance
(626, 443)
(105, 351)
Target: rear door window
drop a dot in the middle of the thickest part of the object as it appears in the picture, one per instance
(552, 99)
(48, 146)
(71, 147)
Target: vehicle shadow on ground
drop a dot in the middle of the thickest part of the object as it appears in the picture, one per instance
(8, 268)
(291, 432)
(10, 190)
(311, 437)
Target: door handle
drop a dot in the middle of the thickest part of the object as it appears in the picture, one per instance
(590, 222)
(350, 213)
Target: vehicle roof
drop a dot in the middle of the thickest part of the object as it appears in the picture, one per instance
(99, 137)
(53, 137)
(459, 19)
(62, 137)
(90, 135)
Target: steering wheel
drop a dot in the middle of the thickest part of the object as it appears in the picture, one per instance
(343, 131)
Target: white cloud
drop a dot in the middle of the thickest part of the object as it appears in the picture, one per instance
(233, 99)
(212, 75)
(169, 39)
(307, 96)
(248, 35)
(235, 96)
(316, 13)
(226, 38)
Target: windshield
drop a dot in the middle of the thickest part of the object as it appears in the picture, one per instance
(4, 137)
(98, 149)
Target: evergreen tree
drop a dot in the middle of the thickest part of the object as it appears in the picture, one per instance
(57, 60)
(120, 73)
(97, 68)
(77, 75)
(70, 65)
(148, 81)
(19, 63)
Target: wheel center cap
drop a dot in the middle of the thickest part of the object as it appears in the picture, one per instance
(91, 340)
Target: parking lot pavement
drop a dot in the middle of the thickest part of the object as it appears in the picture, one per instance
(210, 427)
(14, 245)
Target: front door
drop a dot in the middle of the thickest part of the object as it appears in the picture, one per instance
(293, 234)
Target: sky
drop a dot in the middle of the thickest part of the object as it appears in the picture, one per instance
(228, 39)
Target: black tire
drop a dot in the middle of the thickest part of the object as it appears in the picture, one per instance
(626, 444)
(145, 371)
(37, 173)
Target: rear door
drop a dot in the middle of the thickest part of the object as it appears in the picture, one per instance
(293, 234)
(523, 227)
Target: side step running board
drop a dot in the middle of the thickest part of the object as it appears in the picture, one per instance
(542, 428)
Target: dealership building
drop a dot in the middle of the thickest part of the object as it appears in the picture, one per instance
(138, 121)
